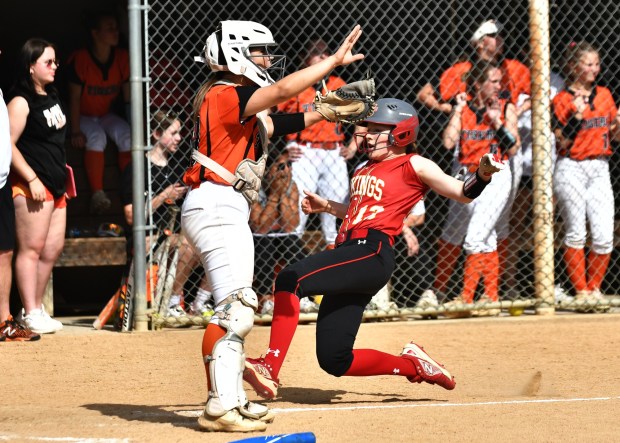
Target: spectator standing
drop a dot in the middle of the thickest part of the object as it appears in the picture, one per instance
(488, 45)
(588, 121)
(97, 76)
(38, 124)
(10, 330)
(318, 152)
(484, 124)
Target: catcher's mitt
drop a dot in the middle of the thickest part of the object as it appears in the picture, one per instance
(350, 103)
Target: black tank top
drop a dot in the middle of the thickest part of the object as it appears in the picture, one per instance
(43, 141)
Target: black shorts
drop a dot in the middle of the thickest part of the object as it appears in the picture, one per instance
(7, 219)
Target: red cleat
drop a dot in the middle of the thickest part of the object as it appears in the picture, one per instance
(258, 374)
(428, 369)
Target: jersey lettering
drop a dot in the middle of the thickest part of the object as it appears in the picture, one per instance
(55, 117)
(367, 185)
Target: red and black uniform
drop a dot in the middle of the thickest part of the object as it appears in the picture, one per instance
(382, 194)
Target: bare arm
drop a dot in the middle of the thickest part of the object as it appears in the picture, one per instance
(429, 98)
(440, 182)
(295, 83)
(314, 203)
(77, 138)
(452, 131)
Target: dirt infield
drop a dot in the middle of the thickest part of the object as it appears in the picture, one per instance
(518, 379)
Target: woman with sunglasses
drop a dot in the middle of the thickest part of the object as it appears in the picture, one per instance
(38, 179)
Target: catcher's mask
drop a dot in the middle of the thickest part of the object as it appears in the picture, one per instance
(391, 112)
(228, 49)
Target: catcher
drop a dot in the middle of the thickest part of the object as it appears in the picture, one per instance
(382, 193)
(233, 130)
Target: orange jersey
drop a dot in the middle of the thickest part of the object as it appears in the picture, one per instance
(477, 137)
(101, 84)
(222, 136)
(592, 139)
(515, 80)
(322, 131)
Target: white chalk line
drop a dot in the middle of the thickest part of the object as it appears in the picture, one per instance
(431, 405)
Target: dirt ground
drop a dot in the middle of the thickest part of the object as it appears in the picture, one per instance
(527, 378)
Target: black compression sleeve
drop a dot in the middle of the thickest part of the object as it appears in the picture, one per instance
(505, 138)
(474, 186)
(288, 123)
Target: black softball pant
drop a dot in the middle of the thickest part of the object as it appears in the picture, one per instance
(347, 277)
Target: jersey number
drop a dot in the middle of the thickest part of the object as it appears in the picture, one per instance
(372, 213)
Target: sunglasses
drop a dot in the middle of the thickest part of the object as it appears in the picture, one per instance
(282, 165)
(49, 62)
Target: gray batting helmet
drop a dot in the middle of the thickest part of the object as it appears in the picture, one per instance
(401, 115)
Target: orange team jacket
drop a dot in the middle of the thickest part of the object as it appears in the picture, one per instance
(592, 139)
(322, 131)
(101, 84)
(515, 80)
(222, 136)
(477, 136)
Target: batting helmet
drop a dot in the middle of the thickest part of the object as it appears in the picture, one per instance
(228, 49)
(401, 115)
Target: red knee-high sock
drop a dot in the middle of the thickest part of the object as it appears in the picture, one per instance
(502, 254)
(447, 255)
(123, 160)
(94, 163)
(371, 362)
(283, 326)
(212, 334)
(597, 268)
(576, 267)
(474, 264)
(491, 274)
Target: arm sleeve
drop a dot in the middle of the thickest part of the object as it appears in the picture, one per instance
(288, 123)
(244, 93)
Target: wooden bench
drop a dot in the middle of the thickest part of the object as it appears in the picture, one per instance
(95, 251)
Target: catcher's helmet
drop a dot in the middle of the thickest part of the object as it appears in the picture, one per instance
(228, 49)
(401, 115)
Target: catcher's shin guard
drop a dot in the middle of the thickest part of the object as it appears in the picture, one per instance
(226, 363)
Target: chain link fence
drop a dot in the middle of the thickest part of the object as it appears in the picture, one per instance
(408, 45)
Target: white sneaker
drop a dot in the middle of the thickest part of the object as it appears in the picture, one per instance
(428, 300)
(203, 309)
(37, 322)
(176, 311)
(306, 305)
(55, 323)
(561, 297)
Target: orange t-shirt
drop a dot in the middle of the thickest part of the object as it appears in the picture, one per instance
(322, 131)
(592, 139)
(477, 137)
(101, 83)
(223, 137)
(515, 80)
